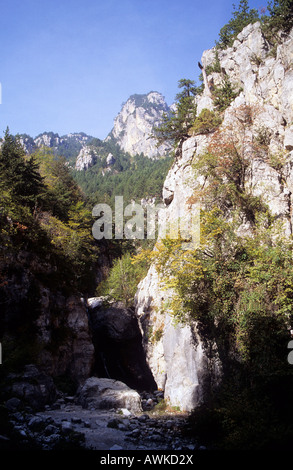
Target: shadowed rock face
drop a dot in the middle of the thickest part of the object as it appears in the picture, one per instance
(31, 387)
(118, 346)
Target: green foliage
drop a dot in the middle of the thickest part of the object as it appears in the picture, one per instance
(176, 126)
(224, 164)
(263, 137)
(70, 146)
(281, 16)
(19, 175)
(43, 211)
(207, 121)
(216, 66)
(239, 291)
(241, 288)
(240, 18)
(124, 276)
(61, 190)
(157, 335)
(137, 177)
(247, 418)
(277, 160)
(225, 94)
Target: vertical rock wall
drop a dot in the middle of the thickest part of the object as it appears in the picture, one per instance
(178, 356)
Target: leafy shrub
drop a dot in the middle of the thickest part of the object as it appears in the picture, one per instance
(206, 122)
(124, 276)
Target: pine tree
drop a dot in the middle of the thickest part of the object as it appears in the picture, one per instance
(175, 126)
(19, 175)
(241, 18)
(281, 15)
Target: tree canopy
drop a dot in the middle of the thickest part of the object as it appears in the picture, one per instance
(43, 211)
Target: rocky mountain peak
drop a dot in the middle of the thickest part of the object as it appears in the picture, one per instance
(133, 125)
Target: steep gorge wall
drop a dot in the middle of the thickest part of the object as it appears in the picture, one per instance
(183, 363)
(42, 323)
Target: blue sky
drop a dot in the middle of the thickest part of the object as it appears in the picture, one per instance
(68, 65)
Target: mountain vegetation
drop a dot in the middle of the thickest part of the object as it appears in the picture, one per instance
(45, 220)
(236, 285)
(175, 125)
(67, 146)
(134, 178)
(275, 18)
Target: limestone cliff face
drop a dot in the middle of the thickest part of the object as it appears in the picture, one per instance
(181, 364)
(133, 125)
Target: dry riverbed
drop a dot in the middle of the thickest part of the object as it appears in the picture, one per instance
(69, 426)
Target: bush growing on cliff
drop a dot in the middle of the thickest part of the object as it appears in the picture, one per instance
(225, 94)
(207, 121)
(279, 17)
(238, 289)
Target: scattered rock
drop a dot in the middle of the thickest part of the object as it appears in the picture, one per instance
(143, 418)
(13, 404)
(114, 423)
(125, 412)
(66, 427)
(116, 447)
(75, 420)
(31, 387)
(78, 427)
(36, 423)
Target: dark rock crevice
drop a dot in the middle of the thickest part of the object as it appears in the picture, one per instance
(119, 353)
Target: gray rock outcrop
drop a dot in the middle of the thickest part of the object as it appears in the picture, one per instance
(59, 339)
(86, 158)
(73, 353)
(102, 393)
(134, 125)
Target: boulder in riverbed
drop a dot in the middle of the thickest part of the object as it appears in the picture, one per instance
(102, 393)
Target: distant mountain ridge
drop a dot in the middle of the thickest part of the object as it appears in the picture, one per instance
(68, 145)
(131, 133)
